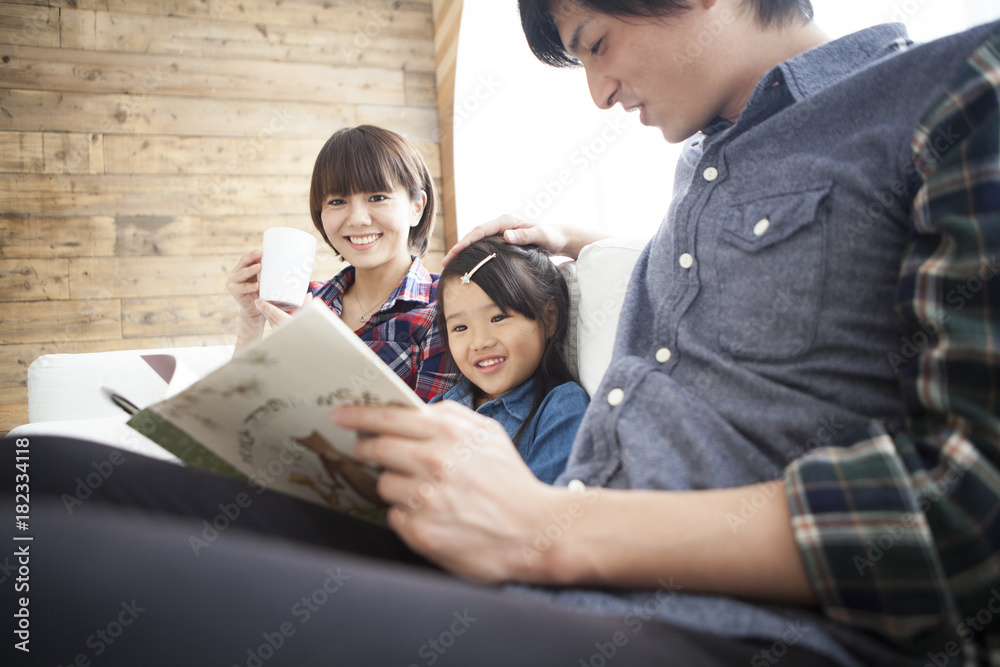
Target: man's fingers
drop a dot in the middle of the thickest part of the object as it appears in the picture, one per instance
(393, 454)
(521, 236)
(386, 420)
(398, 489)
(464, 242)
(491, 228)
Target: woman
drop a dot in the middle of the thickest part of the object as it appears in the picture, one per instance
(372, 200)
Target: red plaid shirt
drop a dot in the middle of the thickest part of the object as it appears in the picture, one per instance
(403, 333)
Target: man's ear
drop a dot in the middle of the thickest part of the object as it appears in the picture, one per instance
(551, 318)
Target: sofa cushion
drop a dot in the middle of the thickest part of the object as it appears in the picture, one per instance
(597, 281)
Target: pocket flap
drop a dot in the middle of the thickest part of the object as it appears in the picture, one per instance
(771, 218)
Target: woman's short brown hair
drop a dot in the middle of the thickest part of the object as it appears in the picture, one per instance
(372, 159)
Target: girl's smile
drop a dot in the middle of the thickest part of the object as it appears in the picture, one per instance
(490, 364)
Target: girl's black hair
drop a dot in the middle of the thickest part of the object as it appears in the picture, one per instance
(524, 280)
(544, 41)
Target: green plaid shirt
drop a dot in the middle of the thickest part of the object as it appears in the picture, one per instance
(900, 529)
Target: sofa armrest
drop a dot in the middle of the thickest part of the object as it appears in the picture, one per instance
(68, 386)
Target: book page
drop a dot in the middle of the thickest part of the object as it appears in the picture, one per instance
(266, 413)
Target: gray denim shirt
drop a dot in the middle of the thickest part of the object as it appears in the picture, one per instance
(759, 320)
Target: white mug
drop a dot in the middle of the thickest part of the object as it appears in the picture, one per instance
(286, 266)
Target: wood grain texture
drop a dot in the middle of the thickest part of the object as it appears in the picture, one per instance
(145, 146)
(29, 25)
(36, 68)
(51, 152)
(43, 321)
(70, 236)
(177, 315)
(420, 89)
(398, 15)
(157, 194)
(13, 407)
(34, 279)
(447, 21)
(77, 29)
(381, 44)
(108, 277)
(278, 155)
(182, 116)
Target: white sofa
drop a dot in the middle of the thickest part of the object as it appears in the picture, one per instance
(65, 395)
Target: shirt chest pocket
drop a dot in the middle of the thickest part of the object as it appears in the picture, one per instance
(770, 266)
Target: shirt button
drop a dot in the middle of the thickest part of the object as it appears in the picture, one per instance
(710, 174)
(576, 486)
(663, 355)
(686, 260)
(616, 396)
(761, 227)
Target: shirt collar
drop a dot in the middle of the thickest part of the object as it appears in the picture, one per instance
(812, 71)
(461, 393)
(417, 285)
(817, 69)
(517, 402)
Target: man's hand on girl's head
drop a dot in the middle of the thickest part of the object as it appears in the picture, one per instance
(557, 240)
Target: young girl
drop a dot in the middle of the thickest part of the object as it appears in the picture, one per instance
(503, 312)
(372, 199)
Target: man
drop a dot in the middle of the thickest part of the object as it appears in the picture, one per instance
(759, 326)
(758, 329)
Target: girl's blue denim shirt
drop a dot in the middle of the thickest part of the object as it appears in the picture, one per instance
(546, 441)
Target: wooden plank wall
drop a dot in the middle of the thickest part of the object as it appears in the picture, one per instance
(447, 21)
(146, 144)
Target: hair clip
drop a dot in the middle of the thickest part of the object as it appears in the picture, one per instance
(468, 276)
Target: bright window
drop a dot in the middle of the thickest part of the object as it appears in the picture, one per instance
(529, 140)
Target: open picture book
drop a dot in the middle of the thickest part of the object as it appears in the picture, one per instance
(265, 415)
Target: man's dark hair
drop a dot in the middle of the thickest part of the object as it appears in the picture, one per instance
(543, 38)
